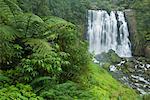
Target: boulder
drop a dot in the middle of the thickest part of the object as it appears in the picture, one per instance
(110, 57)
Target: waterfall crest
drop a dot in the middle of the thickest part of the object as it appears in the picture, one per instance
(108, 31)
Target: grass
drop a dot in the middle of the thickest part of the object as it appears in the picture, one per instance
(104, 86)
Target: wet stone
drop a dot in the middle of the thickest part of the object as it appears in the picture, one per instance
(134, 73)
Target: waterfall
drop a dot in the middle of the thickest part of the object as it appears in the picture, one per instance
(108, 31)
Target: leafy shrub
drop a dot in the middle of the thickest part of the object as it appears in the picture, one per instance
(69, 42)
(67, 91)
(19, 92)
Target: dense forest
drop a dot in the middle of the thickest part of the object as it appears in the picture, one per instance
(44, 54)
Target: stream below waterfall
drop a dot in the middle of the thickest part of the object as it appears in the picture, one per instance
(133, 73)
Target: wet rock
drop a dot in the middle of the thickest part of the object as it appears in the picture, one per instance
(147, 65)
(121, 63)
(110, 57)
(95, 61)
(141, 91)
(147, 72)
(133, 72)
(140, 79)
(112, 68)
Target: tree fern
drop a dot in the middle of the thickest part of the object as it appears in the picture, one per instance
(29, 24)
(44, 60)
(8, 11)
(39, 46)
(8, 33)
(7, 47)
(60, 31)
(52, 21)
(26, 23)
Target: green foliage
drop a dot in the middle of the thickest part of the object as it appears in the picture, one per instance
(38, 7)
(141, 38)
(39, 56)
(40, 79)
(8, 33)
(8, 12)
(27, 23)
(3, 78)
(19, 92)
(94, 84)
(67, 37)
(65, 91)
(142, 15)
(8, 49)
(104, 86)
(71, 10)
(43, 61)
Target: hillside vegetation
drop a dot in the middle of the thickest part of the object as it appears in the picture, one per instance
(45, 57)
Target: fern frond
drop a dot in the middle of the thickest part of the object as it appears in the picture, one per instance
(3, 78)
(7, 37)
(52, 21)
(8, 11)
(8, 33)
(57, 26)
(39, 46)
(29, 24)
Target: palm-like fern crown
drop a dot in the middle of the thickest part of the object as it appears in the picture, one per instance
(20, 31)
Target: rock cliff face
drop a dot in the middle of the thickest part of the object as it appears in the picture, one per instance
(137, 38)
(147, 50)
(140, 44)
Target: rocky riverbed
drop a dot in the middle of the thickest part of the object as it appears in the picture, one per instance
(134, 73)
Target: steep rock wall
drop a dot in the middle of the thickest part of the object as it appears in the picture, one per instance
(137, 39)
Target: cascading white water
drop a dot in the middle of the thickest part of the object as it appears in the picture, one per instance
(108, 31)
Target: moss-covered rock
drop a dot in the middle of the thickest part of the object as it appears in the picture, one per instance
(130, 66)
(110, 57)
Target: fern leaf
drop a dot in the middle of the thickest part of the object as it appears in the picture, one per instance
(57, 26)
(39, 46)
(52, 21)
(29, 24)
(8, 11)
(7, 36)
(8, 33)
(3, 78)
